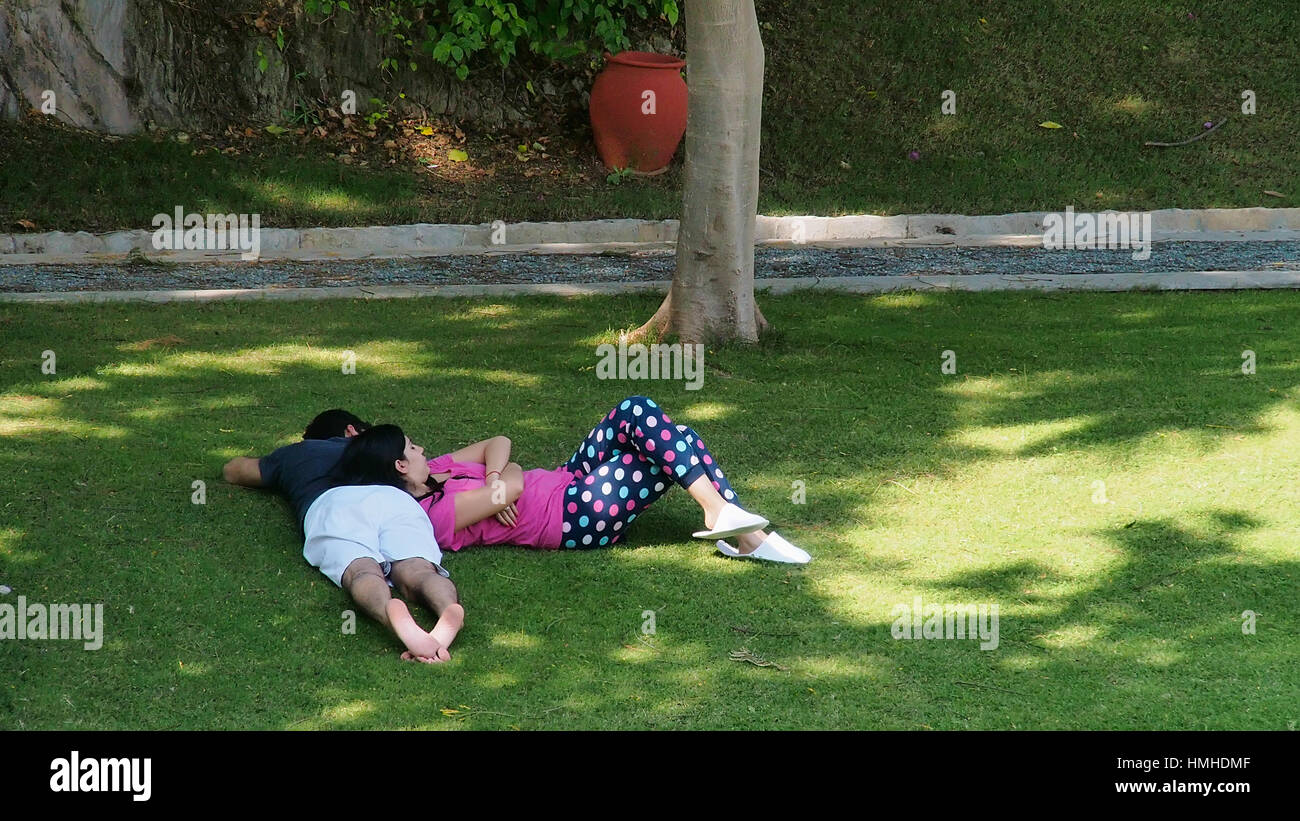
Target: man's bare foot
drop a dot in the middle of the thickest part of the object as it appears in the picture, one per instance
(407, 656)
(418, 642)
(449, 624)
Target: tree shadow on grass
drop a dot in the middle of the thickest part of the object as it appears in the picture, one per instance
(849, 399)
(1157, 639)
(1152, 642)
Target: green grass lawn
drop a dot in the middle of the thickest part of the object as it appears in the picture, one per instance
(1120, 606)
(850, 90)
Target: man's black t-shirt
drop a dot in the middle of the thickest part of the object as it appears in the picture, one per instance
(301, 471)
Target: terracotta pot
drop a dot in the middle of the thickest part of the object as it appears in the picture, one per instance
(638, 110)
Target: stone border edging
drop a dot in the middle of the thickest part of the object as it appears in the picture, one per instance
(629, 235)
(1174, 281)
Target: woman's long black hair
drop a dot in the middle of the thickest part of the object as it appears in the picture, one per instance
(369, 460)
(370, 456)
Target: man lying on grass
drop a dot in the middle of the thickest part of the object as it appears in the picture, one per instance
(363, 533)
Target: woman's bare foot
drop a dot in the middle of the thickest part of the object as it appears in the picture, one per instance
(418, 642)
(707, 497)
(449, 624)
(749, 542)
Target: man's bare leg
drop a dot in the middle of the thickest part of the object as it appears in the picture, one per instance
(418, 579)
(364, 580)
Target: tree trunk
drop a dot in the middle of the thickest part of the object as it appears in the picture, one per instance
(712, 295)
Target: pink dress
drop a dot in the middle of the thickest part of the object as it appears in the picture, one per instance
(539, 509)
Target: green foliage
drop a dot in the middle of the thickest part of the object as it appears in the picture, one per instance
(382, 108)
(454, 32)
(304, 113)
(325, 8)
(617, 177)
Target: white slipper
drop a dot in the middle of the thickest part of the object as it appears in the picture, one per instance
(773, 549)
(732, 521)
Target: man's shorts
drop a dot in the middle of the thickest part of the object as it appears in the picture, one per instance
(367, 522)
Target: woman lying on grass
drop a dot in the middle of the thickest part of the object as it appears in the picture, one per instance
(628, 461)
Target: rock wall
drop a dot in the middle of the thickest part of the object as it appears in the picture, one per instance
(74, 48)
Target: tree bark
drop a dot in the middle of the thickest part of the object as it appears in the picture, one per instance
(712, 294)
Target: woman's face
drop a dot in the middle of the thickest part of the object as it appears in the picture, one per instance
(413, 465)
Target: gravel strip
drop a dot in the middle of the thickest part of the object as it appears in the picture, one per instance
(769, 263)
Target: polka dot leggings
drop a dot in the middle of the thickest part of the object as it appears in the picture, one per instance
(624, 464)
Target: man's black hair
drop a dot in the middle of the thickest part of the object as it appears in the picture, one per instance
(334, 422)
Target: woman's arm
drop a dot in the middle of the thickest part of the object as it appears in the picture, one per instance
(473, 506)
(493, 454)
